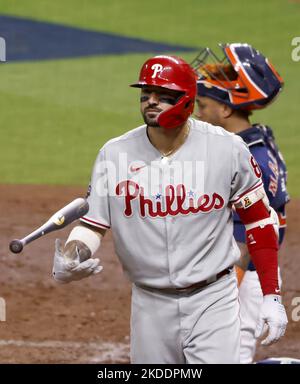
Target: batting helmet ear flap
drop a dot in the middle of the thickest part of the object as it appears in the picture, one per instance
(178, 114)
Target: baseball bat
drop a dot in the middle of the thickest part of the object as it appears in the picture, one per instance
(60, 219)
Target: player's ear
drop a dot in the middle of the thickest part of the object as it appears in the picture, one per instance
(226, 111)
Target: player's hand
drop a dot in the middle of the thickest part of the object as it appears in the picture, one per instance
(65, 271)
(272, 317)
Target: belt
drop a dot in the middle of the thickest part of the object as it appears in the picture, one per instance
(198, 285)
(204, 283)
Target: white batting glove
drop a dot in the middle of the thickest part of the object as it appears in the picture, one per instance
(66, 271)
(272, 317)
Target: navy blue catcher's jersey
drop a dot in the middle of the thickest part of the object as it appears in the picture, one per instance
(261, 143)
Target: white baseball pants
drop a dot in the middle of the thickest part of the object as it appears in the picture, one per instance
(201, 326)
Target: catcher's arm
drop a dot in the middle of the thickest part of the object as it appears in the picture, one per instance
(242, 265)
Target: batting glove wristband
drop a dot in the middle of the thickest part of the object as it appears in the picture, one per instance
(65, 271)
(272, 317)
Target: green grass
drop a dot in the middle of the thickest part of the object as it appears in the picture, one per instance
(55, 115)
(59, 113)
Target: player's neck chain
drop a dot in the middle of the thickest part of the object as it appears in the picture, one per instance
(172, 150)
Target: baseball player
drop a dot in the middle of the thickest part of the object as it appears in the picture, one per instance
(166, 189)
(228, 91)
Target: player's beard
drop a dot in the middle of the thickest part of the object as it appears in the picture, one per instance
(151, 119)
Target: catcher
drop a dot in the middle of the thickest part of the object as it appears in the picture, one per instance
(229, 89)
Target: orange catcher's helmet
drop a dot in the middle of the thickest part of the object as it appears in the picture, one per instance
(243, 78)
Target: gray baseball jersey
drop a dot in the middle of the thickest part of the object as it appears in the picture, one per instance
(171, 218)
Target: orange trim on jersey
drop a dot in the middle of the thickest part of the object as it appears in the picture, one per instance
(282, 220)
(240, 273)
(95, 223)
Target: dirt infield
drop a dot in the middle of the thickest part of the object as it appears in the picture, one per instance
(86, 321)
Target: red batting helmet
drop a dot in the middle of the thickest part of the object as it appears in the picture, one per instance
(171, 72)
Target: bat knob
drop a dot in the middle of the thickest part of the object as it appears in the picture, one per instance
(16, 246)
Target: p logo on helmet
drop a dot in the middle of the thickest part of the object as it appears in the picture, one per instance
(157, 68)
